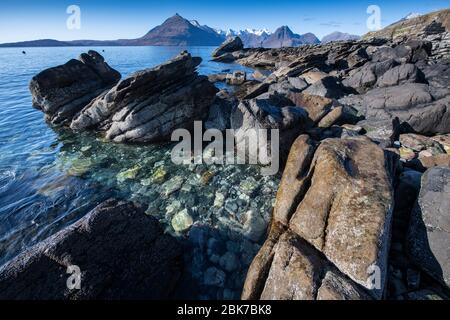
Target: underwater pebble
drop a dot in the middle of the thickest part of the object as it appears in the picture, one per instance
(214, 277)
(182, 221)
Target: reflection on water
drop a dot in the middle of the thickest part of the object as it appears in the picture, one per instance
(49, 179)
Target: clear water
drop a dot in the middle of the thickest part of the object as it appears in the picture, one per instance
(51, 177)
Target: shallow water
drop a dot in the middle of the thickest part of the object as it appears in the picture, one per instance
(51, 177)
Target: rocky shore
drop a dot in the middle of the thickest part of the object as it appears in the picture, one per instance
(362, 209)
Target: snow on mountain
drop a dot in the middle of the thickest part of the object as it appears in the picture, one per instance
(412, 15)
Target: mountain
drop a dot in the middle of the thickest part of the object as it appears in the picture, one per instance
(175, 31)
(339, 36)
(284, 37)
(178, 31)
(252, 38)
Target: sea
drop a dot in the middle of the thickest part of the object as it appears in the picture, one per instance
(50, 177)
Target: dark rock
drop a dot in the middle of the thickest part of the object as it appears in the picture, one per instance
(365, 77)
(405, 73)
(220, 113)
(218, 77)
(230, 45)
(62, 91)
(425, 111)
(429, 231)
(316, 106)
(298, 83)
(121, 252)
(269, 111)
(236, 78)
(357, 58)
(150, 104)
(327, 87)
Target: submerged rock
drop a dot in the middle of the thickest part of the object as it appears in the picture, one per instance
(182, 221)
(121, 252)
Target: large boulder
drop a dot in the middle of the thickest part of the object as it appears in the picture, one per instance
(429, 231)
(230, 45)
(333, 207)
(62, 91)
(424, 109)
(328, 87)
(268, 111)
(121, 254)
(405, 73)
(365, 77)
(150, 104)
(346, 212)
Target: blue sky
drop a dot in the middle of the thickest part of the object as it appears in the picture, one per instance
(114, 19)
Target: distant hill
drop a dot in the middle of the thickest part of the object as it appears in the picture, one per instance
(284, 37)
(339, 36)
(38, 43)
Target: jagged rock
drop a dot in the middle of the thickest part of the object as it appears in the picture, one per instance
(220, 113)
(316, 106)
(340, 202)
(437, 74)
(236, 78)
(335, 286)
(230, 45)
(405, 73)
(365, 77)
(268, 112)
(150, 104)
(331, 118)
(424, 110)
(298, 83)
(443, 140)
(313, 76)
(283, 86)
(347, 210)
(219, 77)
(409, 51)
(294, 180)
(62, 91)
(423, 163)
(294, 270)
(429, 230)
(121, 252)
(327, 87)
(418, 143)
(357, 58)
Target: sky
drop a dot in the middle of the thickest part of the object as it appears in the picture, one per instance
(116, 19)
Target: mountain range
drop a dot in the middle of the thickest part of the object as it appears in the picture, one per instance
(339, 36)
(178, 31)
